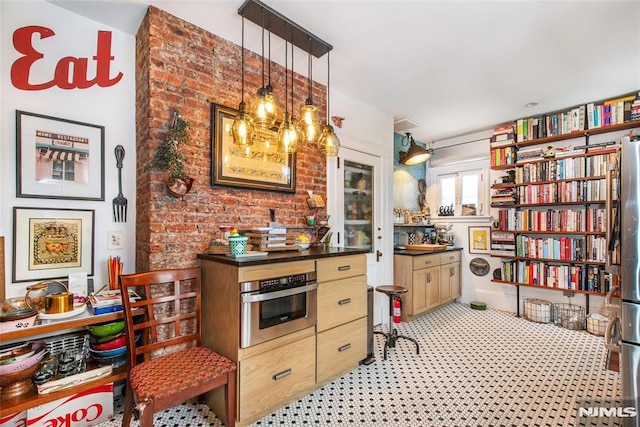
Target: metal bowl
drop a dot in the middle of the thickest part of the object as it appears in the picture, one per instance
(23, 365)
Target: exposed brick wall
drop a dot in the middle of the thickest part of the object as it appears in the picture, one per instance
(181, 66)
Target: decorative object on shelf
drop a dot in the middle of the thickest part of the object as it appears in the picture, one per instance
(59, 158)
(119, 202)
(479, 266)
(242, 130)
(479, 240)
(445, 210)
(549, 153)
(262, 168)
(329, 143)
(415, 154)
(169, 157)
(52, 243)
(264, 108)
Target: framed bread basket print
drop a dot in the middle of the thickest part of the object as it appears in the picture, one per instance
(58, 158)
(259, 166)
(52, 243)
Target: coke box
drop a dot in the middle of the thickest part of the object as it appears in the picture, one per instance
(19, 419)
(88, 408)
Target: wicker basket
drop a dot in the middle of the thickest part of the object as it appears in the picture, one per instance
(596, 326)
(538, 310)
(569, 316)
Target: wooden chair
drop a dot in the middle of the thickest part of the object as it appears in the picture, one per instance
(167, 365)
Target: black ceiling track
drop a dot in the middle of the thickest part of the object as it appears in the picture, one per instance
(283, 27)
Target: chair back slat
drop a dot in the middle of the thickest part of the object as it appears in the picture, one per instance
(171, 305)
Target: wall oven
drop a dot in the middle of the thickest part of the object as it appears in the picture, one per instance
(274, 307)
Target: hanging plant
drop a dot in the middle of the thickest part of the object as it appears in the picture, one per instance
(169, 158)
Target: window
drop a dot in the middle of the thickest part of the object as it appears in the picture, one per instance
(462, 192)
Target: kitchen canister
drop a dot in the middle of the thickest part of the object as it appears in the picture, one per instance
(238, 245)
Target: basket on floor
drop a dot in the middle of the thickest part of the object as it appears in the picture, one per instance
(538, 310)
(596, 324)
(569, 316)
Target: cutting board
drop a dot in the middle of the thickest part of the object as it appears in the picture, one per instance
(426, 247)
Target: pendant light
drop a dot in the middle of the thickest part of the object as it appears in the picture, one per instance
(288, 133)
(263, 108)
(328, 143)
(309, 125)
(242, 129)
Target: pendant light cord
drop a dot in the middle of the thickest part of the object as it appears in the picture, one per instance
(292, 78)
(328, 77)
(286, 72)
(310, 68)
(262, 47)
(242, 55)
(269, 57)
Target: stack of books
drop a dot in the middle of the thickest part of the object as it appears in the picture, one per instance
(525, 155)
(108, 301)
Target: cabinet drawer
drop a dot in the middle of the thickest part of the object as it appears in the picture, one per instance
(341, 301)
(271, 379)
(448, 257)
(341, 267)
(341, 348)
(425, 261)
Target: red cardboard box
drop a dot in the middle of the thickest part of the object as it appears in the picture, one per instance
(19, 419)
(88, 408)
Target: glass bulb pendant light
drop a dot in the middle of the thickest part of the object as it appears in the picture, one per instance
(309, 124)
(242, 129)
(329, 144)
(288, 138)
(263, 108)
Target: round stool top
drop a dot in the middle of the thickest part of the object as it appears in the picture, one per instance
(391, 289)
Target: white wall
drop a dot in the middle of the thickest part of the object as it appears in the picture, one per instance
(112, 107)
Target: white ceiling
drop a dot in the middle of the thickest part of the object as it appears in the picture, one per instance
(454, 67)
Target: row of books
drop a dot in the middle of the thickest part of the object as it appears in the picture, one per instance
(554, 220)
(591, 278)
(557, 192)
(109, 301)
(566, 168)
(585, 248)
(580, 118)
(503, 156)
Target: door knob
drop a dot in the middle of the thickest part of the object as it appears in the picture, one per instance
(378, 255)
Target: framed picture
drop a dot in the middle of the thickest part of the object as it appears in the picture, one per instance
(258, 167)
(59, 158)
(52, 243)
(479, 240)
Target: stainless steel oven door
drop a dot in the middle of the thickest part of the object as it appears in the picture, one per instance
(269, 315)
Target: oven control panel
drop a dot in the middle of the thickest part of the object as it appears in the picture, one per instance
(279, 283)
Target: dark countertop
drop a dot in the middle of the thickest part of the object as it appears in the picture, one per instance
(411, 252)
(282, 256)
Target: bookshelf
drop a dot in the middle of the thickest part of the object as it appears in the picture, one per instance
(553, 206)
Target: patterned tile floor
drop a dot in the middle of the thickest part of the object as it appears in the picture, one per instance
(475, 368)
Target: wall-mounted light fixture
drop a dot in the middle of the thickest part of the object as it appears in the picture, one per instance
(415, 154)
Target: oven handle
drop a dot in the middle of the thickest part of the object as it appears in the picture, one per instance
(257, 297)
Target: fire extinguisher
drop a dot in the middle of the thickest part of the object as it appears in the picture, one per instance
(396, 309)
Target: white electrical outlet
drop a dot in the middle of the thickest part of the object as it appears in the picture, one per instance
(114, 239)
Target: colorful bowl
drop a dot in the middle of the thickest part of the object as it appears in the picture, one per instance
(109, 353)
(116, 342)
(25, 364)
(107, 329)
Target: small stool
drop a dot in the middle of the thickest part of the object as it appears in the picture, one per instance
(392, 336)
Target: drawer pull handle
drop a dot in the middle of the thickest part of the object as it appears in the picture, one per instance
(429, 277)
(282, 374)
(451, 257)
(345, 347)
(428, 261)
(344, 268)
(344, 301)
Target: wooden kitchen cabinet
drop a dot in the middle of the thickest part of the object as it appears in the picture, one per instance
(450, 287)
(342, 315)
(431, 280)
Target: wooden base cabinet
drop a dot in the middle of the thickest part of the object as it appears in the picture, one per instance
(431, 281)
(342, 316)
(278, 375)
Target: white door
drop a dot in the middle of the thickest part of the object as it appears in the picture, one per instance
(356, 195)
